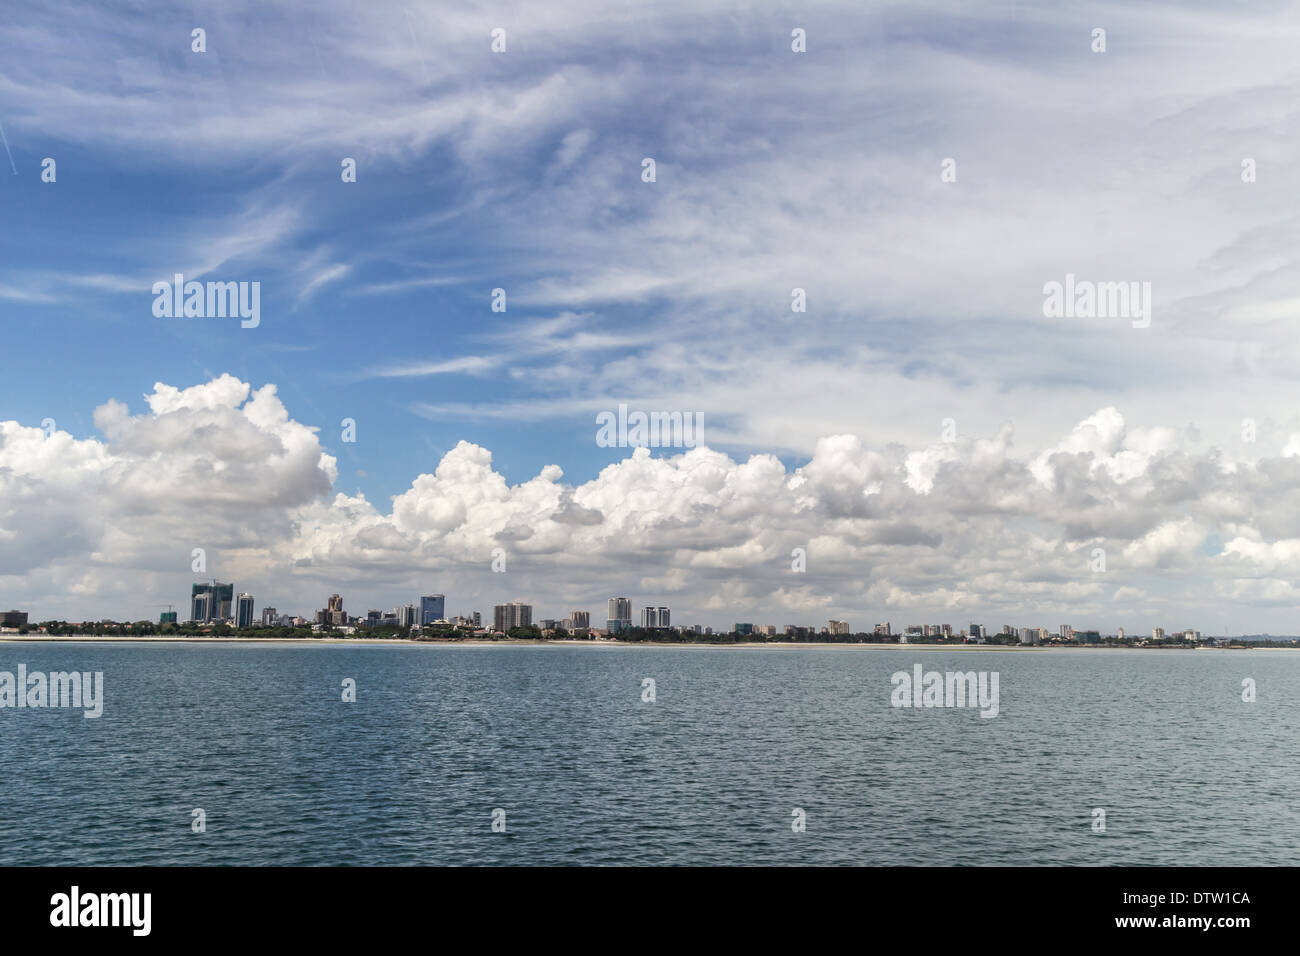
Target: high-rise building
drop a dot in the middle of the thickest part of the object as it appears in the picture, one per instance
(220, 600)
(167, 617)
(334, 614)
(201, 607)
(654, 618)
(244, 610)
(619, 617)
(508, 616)
(433, 607)
(269, 617)
(406, 615)
(743, 627)
(579, 620)
(883, 630)
(838, 627)
(1158, 634)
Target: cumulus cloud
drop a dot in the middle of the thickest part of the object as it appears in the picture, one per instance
(985, 532)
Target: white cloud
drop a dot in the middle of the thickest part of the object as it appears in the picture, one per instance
(223, 466)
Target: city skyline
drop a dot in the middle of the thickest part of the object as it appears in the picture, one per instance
(519, 613)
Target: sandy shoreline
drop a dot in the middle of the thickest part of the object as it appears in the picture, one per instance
(510, 642)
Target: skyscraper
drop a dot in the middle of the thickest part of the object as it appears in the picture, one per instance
(244, 611)
(433, 608)
(512, 615)
(406, 615)
(333, 614)
(620, 615)
(580, 620)
(219, 604)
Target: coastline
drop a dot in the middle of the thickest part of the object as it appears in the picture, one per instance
(516, 642)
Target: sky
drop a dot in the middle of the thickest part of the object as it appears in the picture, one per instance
(937, 447)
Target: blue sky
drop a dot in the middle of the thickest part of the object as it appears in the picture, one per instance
(776, 170)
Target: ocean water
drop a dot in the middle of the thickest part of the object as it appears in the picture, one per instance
(709, 773)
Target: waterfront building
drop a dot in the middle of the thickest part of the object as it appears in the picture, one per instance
(619, 615)
(432, 608)
(220, 599)
(512, 615)
(654, 618)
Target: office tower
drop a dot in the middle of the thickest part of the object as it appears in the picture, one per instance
(512, 615)
(269, 617)
(244, 610)
(334, 613)
(433, 608)
(581, 620)
(406, 615)
(201, 607)
(167, 617)
(220, 598)
(1158, 634)
(619, 616)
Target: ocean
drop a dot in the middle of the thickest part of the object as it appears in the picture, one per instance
(528, 755)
